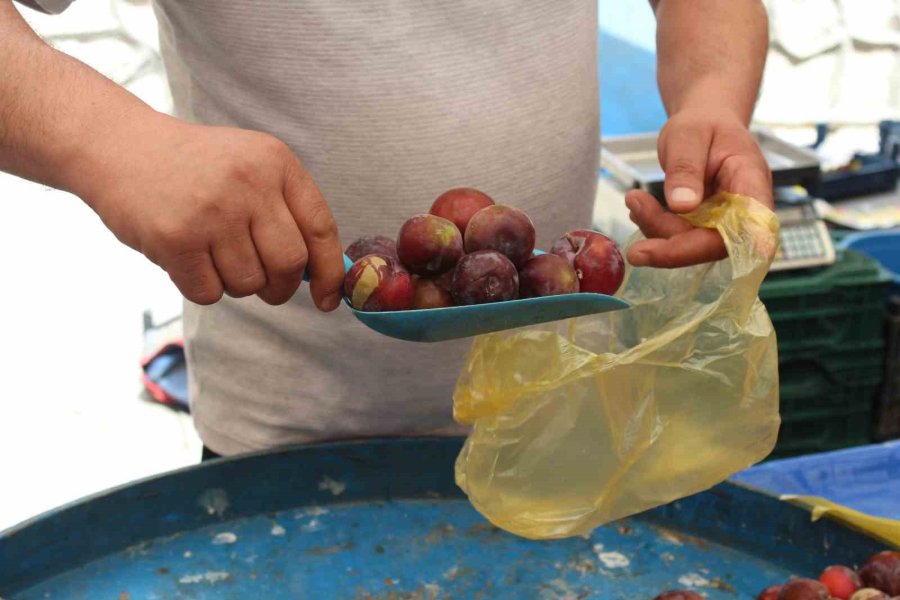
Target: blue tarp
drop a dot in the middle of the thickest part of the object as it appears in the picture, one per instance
(866, 478)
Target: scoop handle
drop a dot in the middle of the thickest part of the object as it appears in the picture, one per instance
(347, 264)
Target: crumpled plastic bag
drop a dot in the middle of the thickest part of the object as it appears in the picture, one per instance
(582, 422)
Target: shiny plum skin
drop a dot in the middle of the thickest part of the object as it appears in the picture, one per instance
(429, 294)
(841, 581)
(459, 204)
(596, 258)
(803, 589)
(870, 594)
(429, 245)
(378, 283)
(505, 229)
(547, 275)
(882, 572)
(600, 266)
(679, 595)
(484, 276)
(372, 244)
(770, 593)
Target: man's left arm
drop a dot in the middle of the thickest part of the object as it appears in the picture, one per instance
(711, 55)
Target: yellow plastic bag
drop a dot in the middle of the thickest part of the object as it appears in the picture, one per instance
(578, 423)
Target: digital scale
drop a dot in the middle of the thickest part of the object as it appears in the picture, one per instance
(632, 162)
(805, 241)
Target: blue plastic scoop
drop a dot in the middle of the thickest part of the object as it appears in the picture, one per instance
(442, 324)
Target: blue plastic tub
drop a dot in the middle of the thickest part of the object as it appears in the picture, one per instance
(384, 519)
(883, 246)
(866, 478)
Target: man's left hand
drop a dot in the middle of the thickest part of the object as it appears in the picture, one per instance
(702, 152)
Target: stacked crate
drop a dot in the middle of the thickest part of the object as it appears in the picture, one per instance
(829, 324)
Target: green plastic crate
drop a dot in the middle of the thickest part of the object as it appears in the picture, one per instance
(828, 397)
(805, 436)
(830, 328)
(830, 307)
(812, 371)
(833, 404)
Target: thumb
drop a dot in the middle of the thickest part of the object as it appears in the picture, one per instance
(684, 154)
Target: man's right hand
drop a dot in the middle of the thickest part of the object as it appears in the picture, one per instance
(221, 210)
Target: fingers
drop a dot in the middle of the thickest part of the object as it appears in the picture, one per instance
(749, 175)
(282, 250)
(652, 219)
(195, 276)
(672, 242)
(698, 157)
(316, 223)
(681, 250)
(684, 154)
(238, 264)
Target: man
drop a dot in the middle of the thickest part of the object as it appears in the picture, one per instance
(293, 116)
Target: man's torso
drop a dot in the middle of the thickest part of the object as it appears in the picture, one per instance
(388, 104)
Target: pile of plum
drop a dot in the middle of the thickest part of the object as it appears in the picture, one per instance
(879, 579)
(469, 250)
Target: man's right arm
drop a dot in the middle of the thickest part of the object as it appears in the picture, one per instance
(220, 209)
(49, 106)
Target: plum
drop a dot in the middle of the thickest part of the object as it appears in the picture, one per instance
(505, 229)
(445, 280)
(679, 595)
(568, 245)
(596, 258)
(770, 593)
(378, 283)
(841, 581)
(484, 276)
(372, 244)
(803, 589)
(547, 275)
(869, 594)
(429, 245)
(882, 571)
(459, 204)
(430, 294)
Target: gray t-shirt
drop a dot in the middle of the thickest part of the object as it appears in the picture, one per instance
(388, 103)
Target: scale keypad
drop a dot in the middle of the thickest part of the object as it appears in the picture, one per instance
(799, 241)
